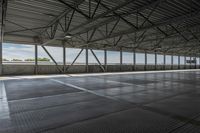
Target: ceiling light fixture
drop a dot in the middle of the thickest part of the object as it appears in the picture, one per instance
(68, 36)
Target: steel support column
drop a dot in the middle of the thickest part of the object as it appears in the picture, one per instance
(193, 66)
(199, 62)
(134, 60)
(86, 60)
(179, 62)
(164, 60)
(190, 62)
(64, 58)
(105, 60)
(195, 62)
(3, 9)
(184, 62)
(155, 60)
(172, 61)
(36, 59)
(145, 61)
(121, 59)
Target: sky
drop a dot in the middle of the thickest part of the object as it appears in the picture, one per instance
(17, 51)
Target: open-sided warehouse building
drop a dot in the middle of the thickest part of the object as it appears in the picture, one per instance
(117, 66)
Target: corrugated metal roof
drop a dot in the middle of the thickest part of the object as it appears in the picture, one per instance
(107, 24)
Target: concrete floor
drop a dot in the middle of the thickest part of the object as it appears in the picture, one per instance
(166, 102)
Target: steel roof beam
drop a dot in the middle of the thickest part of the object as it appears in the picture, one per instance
(102, 15)
(60, 16)
(164, 23)
(179, 32)
(27, 29)
(114, 18)
(147, 19)
(183, 31)
(122, 18)
(73, 8)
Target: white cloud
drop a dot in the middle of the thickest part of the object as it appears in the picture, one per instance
(11, 51)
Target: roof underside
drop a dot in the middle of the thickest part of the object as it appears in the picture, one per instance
(170, 26)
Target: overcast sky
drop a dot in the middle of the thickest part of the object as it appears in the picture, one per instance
(16, 51)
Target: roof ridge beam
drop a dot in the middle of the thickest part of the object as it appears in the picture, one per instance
(103, 14)
(116, 18)
(60, 16)
(167, 22)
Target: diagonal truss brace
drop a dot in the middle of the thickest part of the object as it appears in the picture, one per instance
(75, 59)
(97, 60)
(52, 59)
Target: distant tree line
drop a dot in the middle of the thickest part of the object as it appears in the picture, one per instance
(39, 59)
(29, 59)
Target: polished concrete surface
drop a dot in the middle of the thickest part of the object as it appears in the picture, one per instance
(165, 102)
